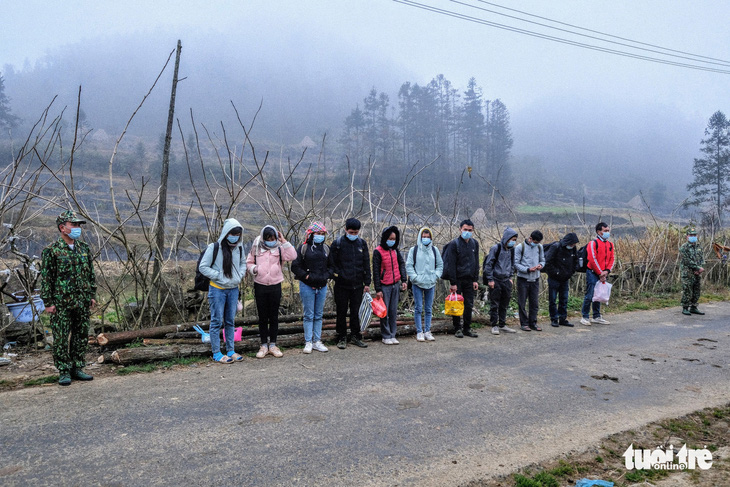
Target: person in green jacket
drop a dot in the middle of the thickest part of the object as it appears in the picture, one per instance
(691, 261)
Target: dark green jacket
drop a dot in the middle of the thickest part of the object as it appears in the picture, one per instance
(67, 276)
(691, 258)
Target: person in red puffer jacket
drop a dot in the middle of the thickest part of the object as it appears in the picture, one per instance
(389, 278)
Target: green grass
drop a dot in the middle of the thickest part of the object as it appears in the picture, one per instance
(50, 379)
(166, 364)
(137, 369)
(542, 479)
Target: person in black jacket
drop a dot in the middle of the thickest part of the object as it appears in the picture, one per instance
(311, 268)
(389, 278)
(350, 264)
(461, 268)
(561, 261)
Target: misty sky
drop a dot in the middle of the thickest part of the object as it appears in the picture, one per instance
(545, 85)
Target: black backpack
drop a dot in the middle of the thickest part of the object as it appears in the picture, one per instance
(202, 283)
(496, 257)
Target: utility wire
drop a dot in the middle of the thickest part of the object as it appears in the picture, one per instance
(561, 40)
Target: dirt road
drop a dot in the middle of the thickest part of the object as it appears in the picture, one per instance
(437, 413)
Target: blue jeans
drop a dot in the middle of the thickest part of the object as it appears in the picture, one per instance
(558, 290)
(223, 304)
(591, 280)
(423, 299)
(313, 304)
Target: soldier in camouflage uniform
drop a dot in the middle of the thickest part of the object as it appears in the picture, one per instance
(68, 287)
(690, 264)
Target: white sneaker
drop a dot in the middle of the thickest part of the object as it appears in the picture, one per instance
(585, 321)
(420, 337)
(307, 347)
(319, 346)
(262, 351)
(495, 330)
(600, 321)
(507, 329)
(388, 341)
(395, 342)
(428, 336)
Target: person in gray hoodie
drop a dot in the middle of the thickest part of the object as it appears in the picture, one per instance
(529, 260)
(225, 273)
(497, 273)
(424, 266)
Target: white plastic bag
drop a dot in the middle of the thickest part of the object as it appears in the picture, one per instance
(602, 292)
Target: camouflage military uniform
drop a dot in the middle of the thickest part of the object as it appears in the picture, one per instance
(691, 259)
(69, 284)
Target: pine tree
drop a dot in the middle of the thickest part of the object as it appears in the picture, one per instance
(7, 119)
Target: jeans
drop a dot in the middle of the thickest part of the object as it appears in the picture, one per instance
(348, 299)
(391, 296)
(223, 305)
(558, 290)
(528, 291)
(591, 280)
(313, 306)
(466, 289)
(499, 302)
(423, 300)
(268, 299)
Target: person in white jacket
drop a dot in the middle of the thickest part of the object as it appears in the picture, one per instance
(225, 273)
(424, 267)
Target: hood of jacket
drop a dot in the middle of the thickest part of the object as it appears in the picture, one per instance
(384, 238)
(421, 247)
(508, 234)
(259, 244)
(569, 239)
(229, 225)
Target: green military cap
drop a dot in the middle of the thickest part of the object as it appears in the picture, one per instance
(69, 216)
(691, 231)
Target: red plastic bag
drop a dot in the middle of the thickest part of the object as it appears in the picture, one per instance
(379, 308)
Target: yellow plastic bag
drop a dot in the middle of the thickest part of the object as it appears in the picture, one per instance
(454, 305)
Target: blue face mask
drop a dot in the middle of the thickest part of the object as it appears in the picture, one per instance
(232, 238)
(390, 243)
(426, 241)
(692, 239)
(606, 235)
(465, 235)
(532, 244)
(75, 233)
(570, 247)
(270, 243)
(352, 238)
(510, 244)
(318, 239)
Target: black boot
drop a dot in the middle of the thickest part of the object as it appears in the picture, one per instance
(685, 311)
(79, 374)
(693, 310)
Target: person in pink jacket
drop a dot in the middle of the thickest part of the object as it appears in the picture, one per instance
(268, 253)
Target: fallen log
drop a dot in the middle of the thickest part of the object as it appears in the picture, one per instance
(147, 342)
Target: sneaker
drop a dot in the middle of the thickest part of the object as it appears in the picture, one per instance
(274, 350)
(585, 321)
(470, 333)
(566, 323)
(420, 337)
(319, 346)
(342, 344)
(554, 323)
(600, 321)
(395, 342)
(64, 379)
(507, 329)
(262, 351)
(428, 336)
(307, 347)
(458, 333)
(79, 374)
(388, 341)
(695, 311)
(359, 343)
(495, 330)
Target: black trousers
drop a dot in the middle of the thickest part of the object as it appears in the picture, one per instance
(466, 289)
(528, 291)
(268, 299)
(499, 301)
(348, 299)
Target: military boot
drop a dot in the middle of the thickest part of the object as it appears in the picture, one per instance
(64, 379)
(685, 311)
(79, 374)
(693, 310)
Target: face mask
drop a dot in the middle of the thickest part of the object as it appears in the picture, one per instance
(390, 242)
(511, 244)
(606, 235)
(318, 239)
(270, 243)
(75, 233)
(532, 244)
(692, 239)
(232, 238)
(465, 235)
(352, 238)
(426, 241)
(570, 247)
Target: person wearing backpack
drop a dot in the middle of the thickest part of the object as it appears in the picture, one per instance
(389, 279)
(350, 264)
(601, 258)
(498, 268)
(529, 260)
(265, 263)
(424, 267)
(461, 268)
(312, 270)
(225, 272)
(561, 261)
